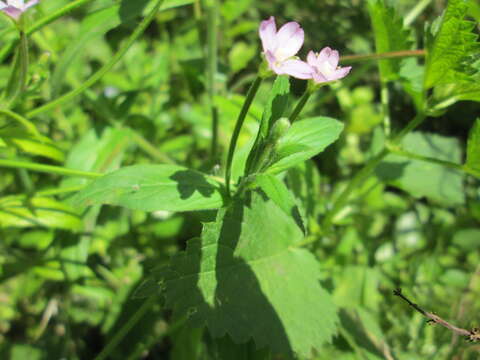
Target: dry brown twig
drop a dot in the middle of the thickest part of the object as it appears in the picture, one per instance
(471, 335)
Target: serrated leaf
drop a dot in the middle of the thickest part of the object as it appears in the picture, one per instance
(390, 35)
(32, 144)
(425, 179)
(473, 147)
(278, 192)
(247, 278)
(450, 51)
(152, 188)
(445, 95)
(303, 140)
(38, 212)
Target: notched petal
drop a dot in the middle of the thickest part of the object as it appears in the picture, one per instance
(298, 69)
(267, 32)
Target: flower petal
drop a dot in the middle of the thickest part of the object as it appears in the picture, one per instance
(311, 58)
(12, 11)
(16, 3)
(30, 4)
(270, 59)
(2, 5)
(267, 32)
(289, 40)
(297, 68)
(341, 73)
(324, 54)
(319, 78)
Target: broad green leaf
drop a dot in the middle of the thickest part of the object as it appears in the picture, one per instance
(32, 144)
(304, 139)
(38, 212)
(450, 53)
(278, 192)
(473, 147)
(246, 277)
(187, 343)
(390, 35)
(425, 179)
(154, 187)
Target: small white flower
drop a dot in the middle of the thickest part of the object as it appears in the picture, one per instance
(15, 8)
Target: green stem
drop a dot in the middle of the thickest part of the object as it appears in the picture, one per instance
(366, 171)
(417, 120)
(41, 23)
(151, 150)
(300, 105)
(238, 126)
(212, 46)
(104, 69)
(118, 337)
(399, 151)
(137, 354)
(20, 119)
(50, 169)
(385, 97)
(387, 55)
(417, 10)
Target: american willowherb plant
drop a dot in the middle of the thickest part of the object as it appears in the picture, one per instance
(252, 277)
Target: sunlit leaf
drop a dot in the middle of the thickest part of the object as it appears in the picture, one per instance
(154, 187)
(246, 277)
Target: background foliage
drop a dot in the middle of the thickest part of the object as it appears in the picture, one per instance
(73, 272)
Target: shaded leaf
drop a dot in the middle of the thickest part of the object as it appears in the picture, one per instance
(245, 277)
(421, 178)
(473, 147)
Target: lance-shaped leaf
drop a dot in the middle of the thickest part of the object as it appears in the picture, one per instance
(38, 212)
(32, 144)
(154, 187)
(390, 35)
(247, 277)
(303, 140)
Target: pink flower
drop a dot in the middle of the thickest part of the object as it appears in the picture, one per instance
(281, 47)
(325, 66)
(15, 8)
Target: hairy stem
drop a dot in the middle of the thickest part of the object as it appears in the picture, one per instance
(387, 55)
(236, 131)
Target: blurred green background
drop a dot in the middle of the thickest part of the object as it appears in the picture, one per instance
(66, 281)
